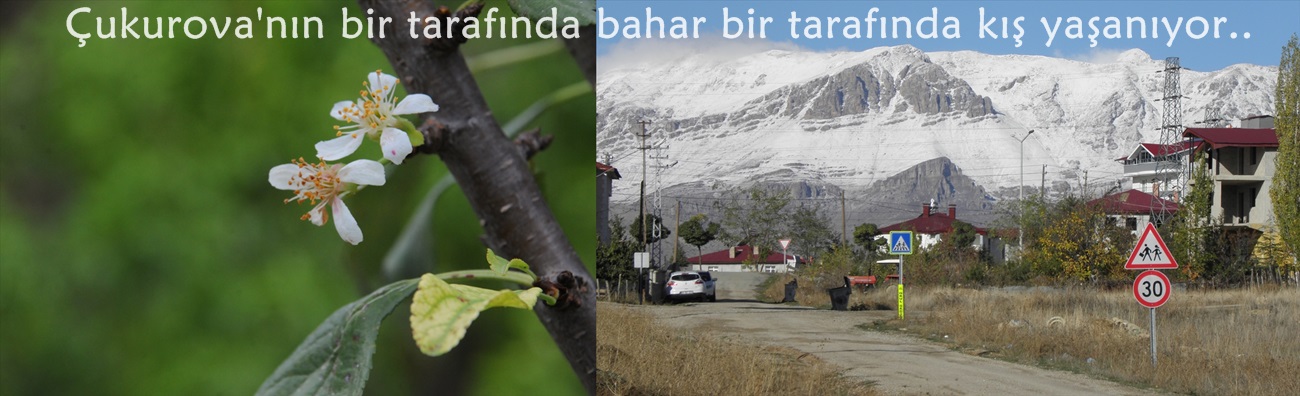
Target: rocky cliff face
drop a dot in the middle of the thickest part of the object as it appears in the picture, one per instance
(938, 181)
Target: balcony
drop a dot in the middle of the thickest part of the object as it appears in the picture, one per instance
(1149, 168)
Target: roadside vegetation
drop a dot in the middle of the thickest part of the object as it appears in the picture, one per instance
(638, 356)
(1240, 341)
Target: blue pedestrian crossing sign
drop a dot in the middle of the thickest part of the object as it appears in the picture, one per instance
(900, 242)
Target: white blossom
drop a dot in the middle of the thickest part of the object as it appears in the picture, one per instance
(374, 115)
(326, 184)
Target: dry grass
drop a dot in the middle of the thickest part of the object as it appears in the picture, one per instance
(1243, 341)
(813, 294)
(636, 356)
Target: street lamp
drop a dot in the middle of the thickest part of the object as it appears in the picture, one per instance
(1021, 239)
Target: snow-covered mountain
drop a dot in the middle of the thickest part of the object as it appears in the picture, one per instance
(851, 119)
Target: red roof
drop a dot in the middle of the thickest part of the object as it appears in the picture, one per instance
(743, 253)
(1160, 150)
(1134, 202)
(929, 223)
(1234, 137)
(613, 172)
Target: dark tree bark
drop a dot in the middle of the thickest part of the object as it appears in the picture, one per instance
(583, 51)
(493, 173)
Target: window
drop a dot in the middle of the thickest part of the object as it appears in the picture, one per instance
(686, 277)
(1253, 155)
(1131, 223)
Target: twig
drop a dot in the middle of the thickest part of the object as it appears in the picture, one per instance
(494, 175)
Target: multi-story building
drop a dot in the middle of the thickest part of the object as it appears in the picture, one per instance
(1158, 169)
(1240, 162)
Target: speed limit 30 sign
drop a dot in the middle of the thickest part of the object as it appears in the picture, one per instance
(1151, 288)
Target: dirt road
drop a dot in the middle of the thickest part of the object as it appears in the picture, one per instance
(898, 364)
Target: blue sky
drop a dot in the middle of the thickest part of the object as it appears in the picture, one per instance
(1269, 24)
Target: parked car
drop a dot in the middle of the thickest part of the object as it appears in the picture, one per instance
(710, 285)
(690, 285)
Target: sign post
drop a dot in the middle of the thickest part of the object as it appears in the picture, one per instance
(1151, 288)
(900, 243)
(641, 261)
(785, 258)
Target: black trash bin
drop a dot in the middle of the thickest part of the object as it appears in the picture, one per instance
(790, 288)
(840, 298)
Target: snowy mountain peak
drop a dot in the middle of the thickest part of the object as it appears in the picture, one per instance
(849, 119)
(1133, 56)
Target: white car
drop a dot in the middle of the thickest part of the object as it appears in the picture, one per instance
(690, 285)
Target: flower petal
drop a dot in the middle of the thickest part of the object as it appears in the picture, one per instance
(380, 80)
(339, 147)
(337, 111)
(345, 223)
(396, 145)
(317, 214)
(415, 104)
(280, 175)
(364, 171)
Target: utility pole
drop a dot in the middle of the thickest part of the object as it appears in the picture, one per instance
(1042, 185)
(677, 228)
(645, 245)
(1085, 184)
(1021, 239)
(844, 222)
(644, 241)
(656, 250)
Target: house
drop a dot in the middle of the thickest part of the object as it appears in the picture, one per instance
(605, 176)
(930, 227)
(1240, 162)
(744, 258)
(1150, 163)
(1135, 208)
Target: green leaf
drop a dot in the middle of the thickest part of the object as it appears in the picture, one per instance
(441, 312)
(497, 263)
(584, 10)
(335, 358)
(519, 265)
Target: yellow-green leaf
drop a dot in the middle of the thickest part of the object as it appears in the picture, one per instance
(497, 263)
(518, 264)
(441, 312)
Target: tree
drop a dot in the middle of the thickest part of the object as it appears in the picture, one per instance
(1286, 180)
(865, 236)
(962, 235)
(699, 231)
(1192, 228)
(655, 223)
(754, 216)
(1080, 243)
(809, 229)
(614, 260)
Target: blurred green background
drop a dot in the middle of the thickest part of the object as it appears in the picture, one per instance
(142, 250)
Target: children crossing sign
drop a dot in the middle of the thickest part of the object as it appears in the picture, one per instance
(900, 242)
(1150, 252)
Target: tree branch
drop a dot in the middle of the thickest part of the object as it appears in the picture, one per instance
(583, 51)
(493, 174)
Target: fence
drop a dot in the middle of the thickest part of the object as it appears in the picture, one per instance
(621, 290)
